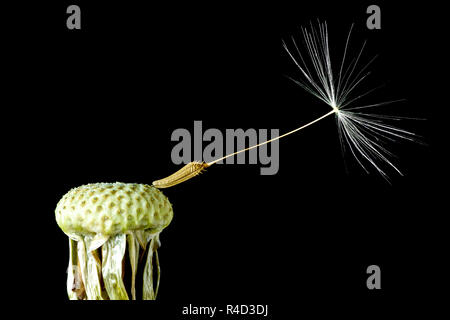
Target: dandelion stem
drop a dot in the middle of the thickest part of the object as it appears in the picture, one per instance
(276, 138)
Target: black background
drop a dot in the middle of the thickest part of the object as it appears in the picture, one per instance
(100, 104)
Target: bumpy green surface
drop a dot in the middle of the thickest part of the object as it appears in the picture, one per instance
(112, 208)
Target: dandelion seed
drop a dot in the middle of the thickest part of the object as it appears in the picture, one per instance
(364, 134)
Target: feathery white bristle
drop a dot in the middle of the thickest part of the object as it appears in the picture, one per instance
(365, 134)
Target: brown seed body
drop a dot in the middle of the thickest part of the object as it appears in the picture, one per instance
(189, 171)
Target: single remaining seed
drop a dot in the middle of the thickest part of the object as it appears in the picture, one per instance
(364, 133)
